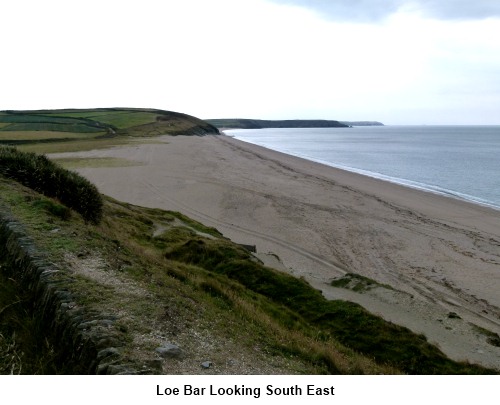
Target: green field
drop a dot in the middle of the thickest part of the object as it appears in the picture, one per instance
(118, 119)
(70, 130)
(41, 135)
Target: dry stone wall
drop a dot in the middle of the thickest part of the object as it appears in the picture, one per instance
(85, 342)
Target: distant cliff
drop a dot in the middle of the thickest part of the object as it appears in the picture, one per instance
(362, 123)
(239, 123)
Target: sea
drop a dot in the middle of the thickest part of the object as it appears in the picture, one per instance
(457, 161)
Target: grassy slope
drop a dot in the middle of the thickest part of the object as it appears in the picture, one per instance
(76, 129)
(199, 283)
(185, 282)
(21, 349)
(167, 297)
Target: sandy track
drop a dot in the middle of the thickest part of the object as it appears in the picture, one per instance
(439, 254)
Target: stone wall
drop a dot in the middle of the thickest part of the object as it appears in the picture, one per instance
(85, 342)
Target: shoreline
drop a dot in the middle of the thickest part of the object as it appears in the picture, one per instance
(439, 255)
(457, 193)
(394, 188)
(394, 180)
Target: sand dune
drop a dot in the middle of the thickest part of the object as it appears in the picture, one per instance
(441, 256)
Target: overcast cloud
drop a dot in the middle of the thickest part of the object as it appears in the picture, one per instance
(374, 10)
(399, 62)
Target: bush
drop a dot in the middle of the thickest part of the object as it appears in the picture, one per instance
(41, 174)
(347, 322)
(53, 208)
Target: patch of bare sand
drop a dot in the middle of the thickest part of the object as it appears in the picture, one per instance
(440, 255)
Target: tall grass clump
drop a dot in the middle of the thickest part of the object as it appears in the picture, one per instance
(41, 174)
(347, 322)
(24, 347)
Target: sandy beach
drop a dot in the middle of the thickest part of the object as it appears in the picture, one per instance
(440, 256)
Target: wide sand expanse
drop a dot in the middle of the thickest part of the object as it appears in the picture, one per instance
(440, 256)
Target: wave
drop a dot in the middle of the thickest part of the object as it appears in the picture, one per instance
(435, 189)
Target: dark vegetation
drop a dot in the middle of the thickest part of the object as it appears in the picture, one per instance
(239, 123)
(23, 350)
(41, 174)
(302, 306)
(357, 283)
(363, 123)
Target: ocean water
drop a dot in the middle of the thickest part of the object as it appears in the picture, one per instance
(457, 161)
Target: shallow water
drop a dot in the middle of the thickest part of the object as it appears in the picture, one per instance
(459, 161)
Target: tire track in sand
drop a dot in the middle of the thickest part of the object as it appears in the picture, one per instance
(337, 267)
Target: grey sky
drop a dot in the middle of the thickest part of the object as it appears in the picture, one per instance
(395, 61)
(375, 10)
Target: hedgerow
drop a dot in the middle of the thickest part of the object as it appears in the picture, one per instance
(41, 174)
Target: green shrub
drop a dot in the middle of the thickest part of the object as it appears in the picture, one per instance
(54, 208)
(348, 322)
(41, 174)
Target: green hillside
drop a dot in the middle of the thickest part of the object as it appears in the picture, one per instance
(239, 123)
(77, 125)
